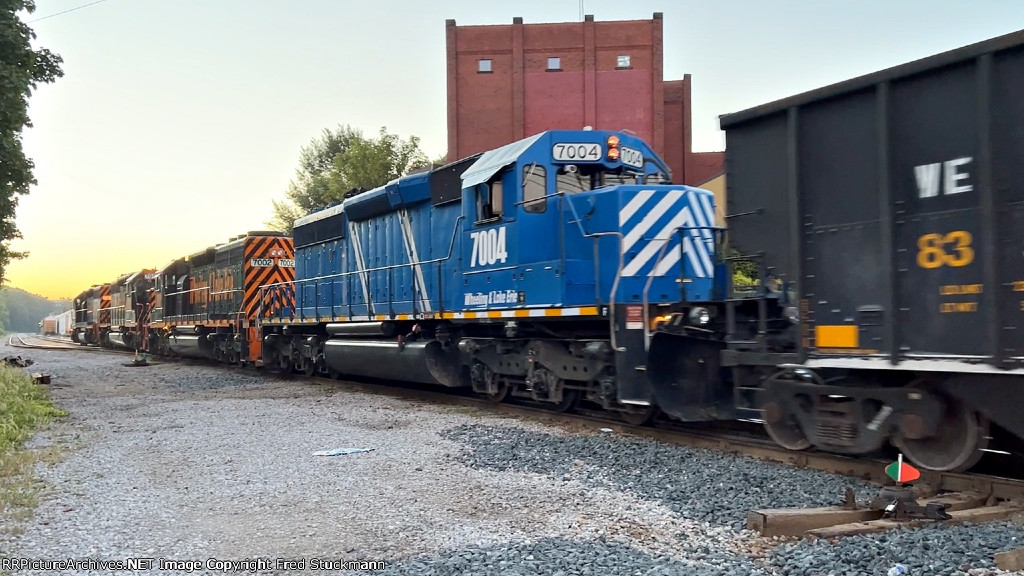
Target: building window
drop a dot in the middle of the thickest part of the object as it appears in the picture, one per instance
(623, 61)
(535, 189)
(484, 66)
(554, 63)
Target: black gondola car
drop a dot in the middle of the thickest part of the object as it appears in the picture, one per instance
(894, 205)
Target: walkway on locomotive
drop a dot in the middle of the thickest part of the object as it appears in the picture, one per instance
(593, 220)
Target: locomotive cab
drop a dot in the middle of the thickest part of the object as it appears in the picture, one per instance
(585, 230)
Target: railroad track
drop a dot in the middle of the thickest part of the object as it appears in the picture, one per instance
(40, 342)
(31, 341)
(972, 497)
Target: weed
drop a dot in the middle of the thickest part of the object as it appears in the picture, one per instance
(24, 407)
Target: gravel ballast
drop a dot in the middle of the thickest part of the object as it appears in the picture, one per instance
(190, 462)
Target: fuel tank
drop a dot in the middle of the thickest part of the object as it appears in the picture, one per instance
(121, 339)
(190, 346)
(379, 359)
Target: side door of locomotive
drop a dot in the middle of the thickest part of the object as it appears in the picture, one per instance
(540, 244)
(489, 252)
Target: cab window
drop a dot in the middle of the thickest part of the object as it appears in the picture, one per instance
(489, 198)
(535, 188)
(573, 179)
(655, 175)
(571, 182)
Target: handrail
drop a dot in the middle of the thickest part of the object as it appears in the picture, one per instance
(657, 262)
(597, 279)
(411, 265)
(650, 280)
(451, 247)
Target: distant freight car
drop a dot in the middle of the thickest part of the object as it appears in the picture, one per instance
(59, 324)
(65, 323)
(893, 204)
(50, 325)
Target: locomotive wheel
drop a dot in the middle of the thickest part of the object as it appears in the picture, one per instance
(570, 398)
(284, 364)
(309, 367)
(334, 374)
(639, 418)
(957, 445)
(499, 396)
(783, 428)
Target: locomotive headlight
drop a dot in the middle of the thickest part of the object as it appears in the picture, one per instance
(792, 314)
(613, 147)
(700, 316)
(659, 320)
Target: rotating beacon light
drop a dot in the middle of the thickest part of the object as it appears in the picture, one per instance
(613, 147)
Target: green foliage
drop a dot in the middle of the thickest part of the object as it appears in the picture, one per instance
(744, 272)
(369, 163)
(341, 161)
(21, 70)
(24, 406)
(21, 311)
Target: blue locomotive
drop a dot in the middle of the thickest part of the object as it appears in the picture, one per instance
(537, 270)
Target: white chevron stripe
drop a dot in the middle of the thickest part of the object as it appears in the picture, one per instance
(700, 214)
(666, 264)
(652, 248)
(692, 257)
(409, 239)
(360, 263)
(701, 238)
(650, 219)
(709, 210)
(634, 205)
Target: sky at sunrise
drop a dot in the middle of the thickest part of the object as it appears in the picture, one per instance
(177, 122)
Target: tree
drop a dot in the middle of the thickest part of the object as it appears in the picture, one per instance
(21, 311)
(21, 70)
(344, 162)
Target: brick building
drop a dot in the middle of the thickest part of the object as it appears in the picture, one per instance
(507, 82)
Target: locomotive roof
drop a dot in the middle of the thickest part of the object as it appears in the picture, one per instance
(163, 269)
(135, 275)
(494, 160)
(319, 215)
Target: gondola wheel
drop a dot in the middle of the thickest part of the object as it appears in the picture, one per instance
(958, 443)
(783, 428)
